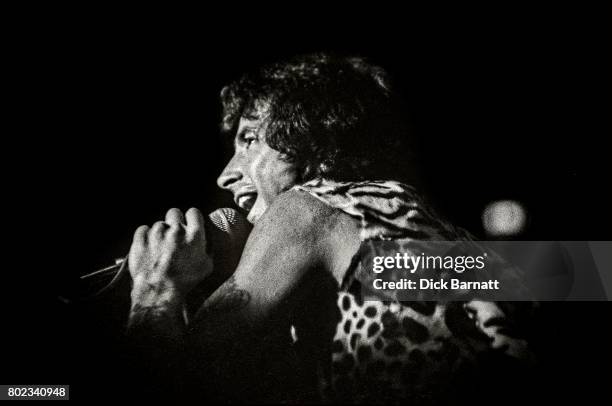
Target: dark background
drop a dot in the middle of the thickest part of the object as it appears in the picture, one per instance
(122, 124)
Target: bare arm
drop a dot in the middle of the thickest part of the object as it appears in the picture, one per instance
(245, 323)
(165, 262)
(242, 331)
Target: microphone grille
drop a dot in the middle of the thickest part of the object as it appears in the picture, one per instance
(228, 220)
(230, 214)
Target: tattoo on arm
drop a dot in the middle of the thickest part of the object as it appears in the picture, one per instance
(221, 323)
(227, 298)
(225, 337)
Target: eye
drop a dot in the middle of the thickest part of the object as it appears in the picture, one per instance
(248, 137)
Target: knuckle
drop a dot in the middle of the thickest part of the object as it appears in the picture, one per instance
(158, 226)
(140, 235)
(157, 231)
(174, 211)
(141, 230)
(138, 242)
(194, 211)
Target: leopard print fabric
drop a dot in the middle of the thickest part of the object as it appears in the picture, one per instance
(393, 352)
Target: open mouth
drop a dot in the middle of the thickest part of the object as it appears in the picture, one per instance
(246, 201)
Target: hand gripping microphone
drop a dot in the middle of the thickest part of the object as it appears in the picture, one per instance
(226, 233)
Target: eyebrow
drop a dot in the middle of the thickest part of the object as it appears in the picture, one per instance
(248, 126)
(241, 130)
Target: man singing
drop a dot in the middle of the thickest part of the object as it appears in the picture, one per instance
(321, 163)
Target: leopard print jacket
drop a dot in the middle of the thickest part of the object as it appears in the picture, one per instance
(396, 352)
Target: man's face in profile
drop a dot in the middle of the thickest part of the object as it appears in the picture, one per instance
(256, 173)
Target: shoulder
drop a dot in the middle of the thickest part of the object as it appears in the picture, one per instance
(298, 218)
(303, 213)
(296, 201)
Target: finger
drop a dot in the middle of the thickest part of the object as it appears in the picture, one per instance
(174, 217)
(140, 237)
(157, 231)
(195, 221)
(139, 244)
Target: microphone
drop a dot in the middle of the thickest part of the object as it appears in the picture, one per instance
(226, 233)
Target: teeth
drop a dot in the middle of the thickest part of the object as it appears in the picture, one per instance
(245, 202)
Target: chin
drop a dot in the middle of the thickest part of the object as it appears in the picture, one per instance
(255, 214)
(251, 217)
(259, 208)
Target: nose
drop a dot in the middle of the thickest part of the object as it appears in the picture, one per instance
(231, 173)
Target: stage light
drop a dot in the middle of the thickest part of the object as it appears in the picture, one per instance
(504, 218)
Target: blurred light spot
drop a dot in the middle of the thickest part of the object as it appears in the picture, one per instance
(294, 336)
(504, 217)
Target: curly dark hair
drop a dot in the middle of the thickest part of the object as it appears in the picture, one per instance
(333, 116)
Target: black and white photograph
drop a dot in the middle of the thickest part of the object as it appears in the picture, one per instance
(263, 211)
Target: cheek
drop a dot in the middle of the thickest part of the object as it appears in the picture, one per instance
(272, 174)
